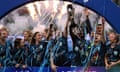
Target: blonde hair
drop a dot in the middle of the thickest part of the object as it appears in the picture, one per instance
(29, 32)
(4, 29)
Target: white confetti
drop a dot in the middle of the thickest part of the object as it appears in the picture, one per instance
(85, 1)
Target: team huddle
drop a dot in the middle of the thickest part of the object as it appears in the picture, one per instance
(75, 46)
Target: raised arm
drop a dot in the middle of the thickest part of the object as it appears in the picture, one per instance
(49, 33)
(103, 24)
(65, 33)
(87, 21)
(72, 26)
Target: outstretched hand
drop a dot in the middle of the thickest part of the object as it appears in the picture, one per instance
(103, 20)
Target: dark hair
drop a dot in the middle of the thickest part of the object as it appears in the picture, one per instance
(17, 43)
(117, 38)
(33, 38)
(46, 30)
(69, 6)
(51, 26)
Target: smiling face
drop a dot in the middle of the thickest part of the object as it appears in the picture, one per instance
(38, 37)
(97, 38)
(112, 36)
(4, 34)
(26, 35)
